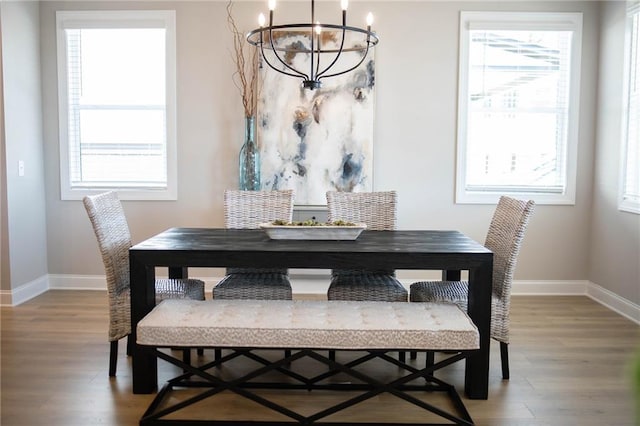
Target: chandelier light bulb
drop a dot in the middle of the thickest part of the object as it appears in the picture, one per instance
(261, 20)
(272, 4)
(344, 4)
(369, 19)
(318, 28)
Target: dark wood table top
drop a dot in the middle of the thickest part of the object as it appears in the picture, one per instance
(213, 247)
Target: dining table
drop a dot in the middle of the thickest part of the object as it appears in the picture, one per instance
(179, 249)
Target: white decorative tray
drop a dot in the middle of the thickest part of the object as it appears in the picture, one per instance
(315, 232)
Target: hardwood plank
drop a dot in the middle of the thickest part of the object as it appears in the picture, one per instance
(570, 365)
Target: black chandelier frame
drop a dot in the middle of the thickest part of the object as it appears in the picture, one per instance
(311, 80)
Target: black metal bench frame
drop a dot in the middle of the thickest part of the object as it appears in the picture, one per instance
(370, 387)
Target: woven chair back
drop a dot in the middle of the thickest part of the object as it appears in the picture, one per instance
(504, 238)
(114, 239)
(248, 209)
(378, 210)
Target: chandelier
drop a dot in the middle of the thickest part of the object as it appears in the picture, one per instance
(315, 41)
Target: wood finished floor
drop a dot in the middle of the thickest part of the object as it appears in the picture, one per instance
(570, 365)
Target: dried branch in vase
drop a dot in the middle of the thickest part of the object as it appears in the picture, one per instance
(246, 60)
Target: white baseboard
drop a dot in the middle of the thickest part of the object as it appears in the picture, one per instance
(77, 282)
(99, 282)
(310, 284)
(538, 288)
(614, 302)
(316, 283)
(24, 292)
(304, 284)
(549, 288)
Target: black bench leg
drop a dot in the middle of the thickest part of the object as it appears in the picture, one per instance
(460, 415)
(402, 356)
(414, 355)
(430, 358)
(186, 357)
(332, 355)
(504, 357)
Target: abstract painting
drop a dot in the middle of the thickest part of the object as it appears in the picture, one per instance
(313, 141)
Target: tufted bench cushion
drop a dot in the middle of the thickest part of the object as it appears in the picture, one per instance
(308, 324)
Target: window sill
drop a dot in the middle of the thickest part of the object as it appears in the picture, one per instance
(123, 194)
(494, 197)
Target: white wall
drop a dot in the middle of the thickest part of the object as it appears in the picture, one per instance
(25, 206)
(4, 225)
(416, 77)
(416, 132)
(416, 74)
(210, 126)
(614, 258)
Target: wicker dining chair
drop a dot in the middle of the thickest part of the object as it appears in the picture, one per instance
(504, 238)
(114, 239)
(378, 210)
(247, 210)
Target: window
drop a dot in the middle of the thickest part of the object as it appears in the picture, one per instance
(630, 175)
(518, 106)
(116, 86)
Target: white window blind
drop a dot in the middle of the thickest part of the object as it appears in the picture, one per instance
(117, 95)
(630, 182)
(517, 117)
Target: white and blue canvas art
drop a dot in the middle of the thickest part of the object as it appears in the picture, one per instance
(314, 141)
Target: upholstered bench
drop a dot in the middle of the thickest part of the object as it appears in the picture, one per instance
(308, 328)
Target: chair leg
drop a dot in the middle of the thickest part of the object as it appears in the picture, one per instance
(504, 357)
(113, 358)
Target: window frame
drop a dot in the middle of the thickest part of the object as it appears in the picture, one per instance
(535, 21)
(624, 203)
(118, 19)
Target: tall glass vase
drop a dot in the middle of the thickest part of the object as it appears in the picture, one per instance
(249, 158)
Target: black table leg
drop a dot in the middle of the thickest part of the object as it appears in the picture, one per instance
(451, 275)
(476, 384)
(178, 272)
(143, 294)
